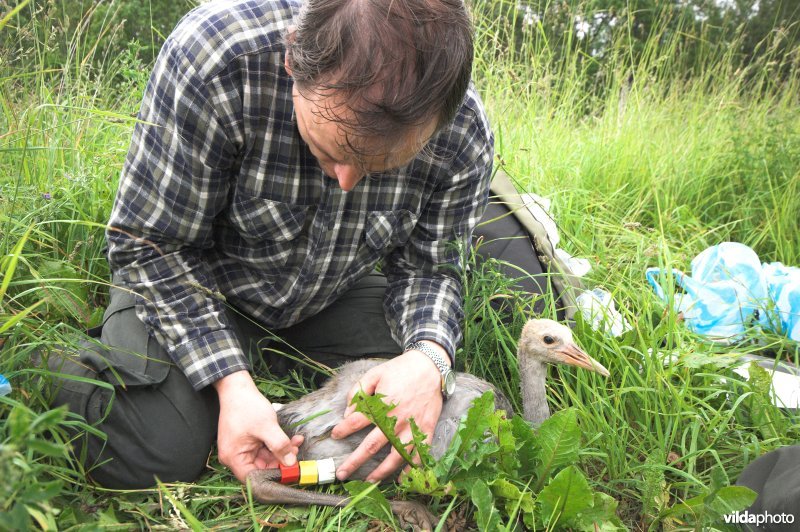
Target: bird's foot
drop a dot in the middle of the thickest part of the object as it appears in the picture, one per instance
(267, 490)
(413, 514)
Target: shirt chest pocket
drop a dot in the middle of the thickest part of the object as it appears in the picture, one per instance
(270, 229)
(386, 230)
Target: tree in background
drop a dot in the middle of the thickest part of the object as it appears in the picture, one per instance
(52, 34)
(585, 31)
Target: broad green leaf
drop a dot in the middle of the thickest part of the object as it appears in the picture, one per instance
(42, 492)
(602, 515)
(698, 359)
(15, 519)
(653, 485)
(368, 499)
(95, 318)
(373, 407)
(564, 498)
(719, 479)
(477, 423)
(710, 507)
(424, 481)
(759, 378)
(474, 435)
(487, 516)
(559, 439)
(421, 447)
(19, 422)
(49, 419)
(527, 446)
(46, 448)
(444, 465)
(46, 521)
(500, 426)
(515, 500)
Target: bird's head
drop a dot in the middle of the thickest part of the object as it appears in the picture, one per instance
(548, 341)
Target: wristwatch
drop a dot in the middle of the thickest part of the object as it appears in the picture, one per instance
(448, 375)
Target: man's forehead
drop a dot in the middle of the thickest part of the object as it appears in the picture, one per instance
(390, 151)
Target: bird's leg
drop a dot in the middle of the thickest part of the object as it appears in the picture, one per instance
(266, 489)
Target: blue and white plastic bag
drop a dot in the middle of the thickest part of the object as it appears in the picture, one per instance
(5, 386)
(729, 291)
(784, 290)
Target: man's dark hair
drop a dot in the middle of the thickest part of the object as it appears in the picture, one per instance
(397, 64)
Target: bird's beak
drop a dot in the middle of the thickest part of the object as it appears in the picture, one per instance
(573, 355)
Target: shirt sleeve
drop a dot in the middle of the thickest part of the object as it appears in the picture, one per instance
(174, 182)
(423, 299)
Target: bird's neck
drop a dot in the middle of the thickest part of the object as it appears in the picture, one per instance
(534, 395)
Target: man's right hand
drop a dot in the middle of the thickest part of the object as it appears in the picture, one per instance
(249, 436)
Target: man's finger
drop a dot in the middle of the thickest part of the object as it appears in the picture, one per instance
(349, 425)
(279, 445)
(240, 468)
(372, 444)
(265, 459)
(368, 382)
(387, 467)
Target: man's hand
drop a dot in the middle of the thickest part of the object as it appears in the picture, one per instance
(249, 436)
(414, 383)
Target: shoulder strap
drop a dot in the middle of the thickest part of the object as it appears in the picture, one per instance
(565, 282)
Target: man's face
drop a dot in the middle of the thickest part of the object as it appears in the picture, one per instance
(327, 140)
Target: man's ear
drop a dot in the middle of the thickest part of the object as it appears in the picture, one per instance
(286, 63)
(286, 60)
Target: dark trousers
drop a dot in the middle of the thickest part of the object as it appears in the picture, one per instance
(156, 425)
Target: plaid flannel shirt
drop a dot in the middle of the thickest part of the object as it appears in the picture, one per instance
(220, 201)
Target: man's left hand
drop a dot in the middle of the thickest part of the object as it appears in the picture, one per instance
(412, 382)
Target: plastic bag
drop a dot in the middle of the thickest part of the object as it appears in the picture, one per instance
(598, 309)
(5, 386)
(784, 290)
(730, 291)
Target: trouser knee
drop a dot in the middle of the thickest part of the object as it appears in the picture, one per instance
(155, 425)
(149, 436)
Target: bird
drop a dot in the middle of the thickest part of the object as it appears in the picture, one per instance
(541, 342)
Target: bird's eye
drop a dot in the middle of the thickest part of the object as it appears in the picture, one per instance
(549, 339)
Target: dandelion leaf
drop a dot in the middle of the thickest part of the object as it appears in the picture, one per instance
(711, 506)
(475, 445)
(424, 481)
(503, 431)
(514, 499)
(421, 447)
(559, 439)
(377, 411)
(527, 446)
(488, 517)
(565, 498)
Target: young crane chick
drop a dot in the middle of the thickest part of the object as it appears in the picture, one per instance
(542, 342)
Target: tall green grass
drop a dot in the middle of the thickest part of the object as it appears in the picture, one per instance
(647, 162)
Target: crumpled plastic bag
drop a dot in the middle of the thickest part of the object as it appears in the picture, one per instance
(784, 290)
(729, 291)
(598, 309)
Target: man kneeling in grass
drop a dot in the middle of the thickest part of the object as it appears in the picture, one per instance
(283, 151)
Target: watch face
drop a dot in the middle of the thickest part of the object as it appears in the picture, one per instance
(449, 383)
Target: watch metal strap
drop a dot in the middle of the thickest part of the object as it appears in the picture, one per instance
(430, 353)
